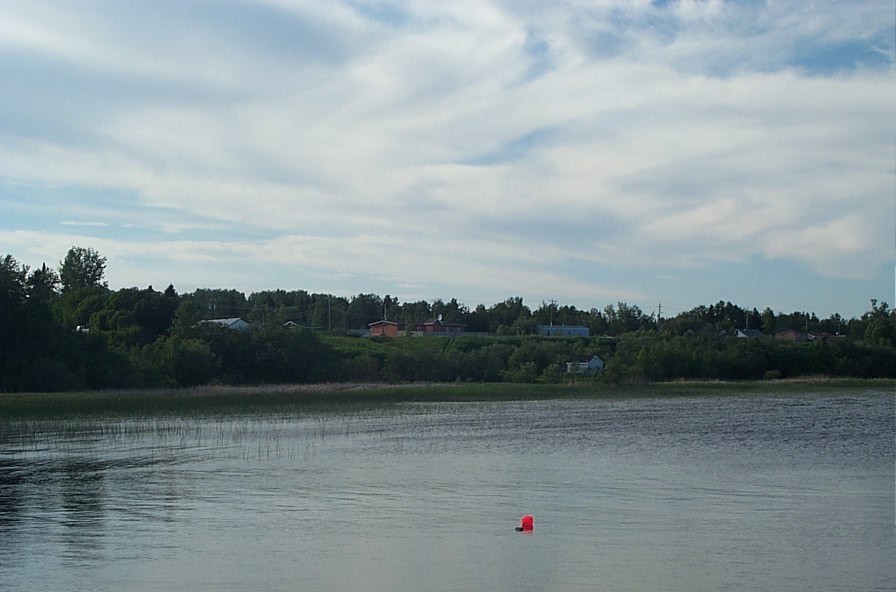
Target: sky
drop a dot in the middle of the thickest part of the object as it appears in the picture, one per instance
(664, 154)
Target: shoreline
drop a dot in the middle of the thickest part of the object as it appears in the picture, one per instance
(299, 398)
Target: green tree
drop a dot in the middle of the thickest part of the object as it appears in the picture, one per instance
(176, 361)
(414, 311)
(75, 308)
(880, 324)
(12, 327)
(12, 282)
(768, 321)
(596, 322)
(478, 320)
(283, 355)
(625, 318)
(135, 317)
(835, 324)
(215, 303)
(451, 311)
(43, 283)
(320, 312)
(185, 323)
(82, 268)
(363, 310)
(508, 312)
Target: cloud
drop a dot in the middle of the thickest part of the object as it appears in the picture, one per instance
(75, 223)
(508, 146)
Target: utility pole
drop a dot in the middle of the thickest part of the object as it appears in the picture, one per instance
(659, 314)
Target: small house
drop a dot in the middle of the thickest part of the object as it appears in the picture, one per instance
(792, 335)
(385, 328)
(234, 323)
(585, 365)
(748, 333)
(431, 328)
(439, 327)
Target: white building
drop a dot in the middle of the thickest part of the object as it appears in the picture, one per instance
(585, 365)
(234, 323)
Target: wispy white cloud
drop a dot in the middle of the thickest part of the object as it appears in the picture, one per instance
(76, 223)
(512, 147)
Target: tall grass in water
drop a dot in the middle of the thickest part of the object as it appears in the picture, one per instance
(312, 399)
(111, 441)
(277, 422)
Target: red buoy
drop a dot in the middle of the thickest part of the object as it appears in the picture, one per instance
(527, 522)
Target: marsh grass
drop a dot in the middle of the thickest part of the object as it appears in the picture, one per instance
(89, 444)
(88, 432)
(351, 397)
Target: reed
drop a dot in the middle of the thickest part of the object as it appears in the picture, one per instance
(325, 398)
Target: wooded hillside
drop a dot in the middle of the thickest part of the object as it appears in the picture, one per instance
(64, 329)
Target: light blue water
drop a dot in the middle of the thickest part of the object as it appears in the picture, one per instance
(758, 493)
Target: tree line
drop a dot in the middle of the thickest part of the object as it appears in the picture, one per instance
(64, 329)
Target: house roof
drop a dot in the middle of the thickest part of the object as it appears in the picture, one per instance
(443, 323)
(226, 322)
(231, 323)
(790, 332)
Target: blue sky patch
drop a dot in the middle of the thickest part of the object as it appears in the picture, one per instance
(675, 152)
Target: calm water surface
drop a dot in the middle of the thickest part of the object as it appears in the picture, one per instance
(754, 493)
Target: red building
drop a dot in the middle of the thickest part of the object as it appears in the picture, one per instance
(438, 326)
(387, 328)
(432, 327)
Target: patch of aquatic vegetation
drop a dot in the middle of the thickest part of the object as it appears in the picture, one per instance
(349, 397)
(184, 438)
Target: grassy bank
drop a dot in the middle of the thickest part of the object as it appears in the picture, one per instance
(325, 397)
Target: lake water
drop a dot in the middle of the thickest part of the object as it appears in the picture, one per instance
(690, 494)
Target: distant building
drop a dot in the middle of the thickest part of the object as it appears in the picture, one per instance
(564, 330)
(792, 335)
(822, 336)
(386, 328)
(440, 327)
(585, 365)
(234, 323)
(432, 327)
(748, 333)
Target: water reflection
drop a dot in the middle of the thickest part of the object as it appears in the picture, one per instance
(11, 500)
(698, 494)
(82, 505)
